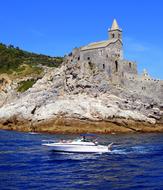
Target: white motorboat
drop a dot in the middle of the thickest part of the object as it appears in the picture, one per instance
(78, 146)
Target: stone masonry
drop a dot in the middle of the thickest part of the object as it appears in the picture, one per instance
(107, 56)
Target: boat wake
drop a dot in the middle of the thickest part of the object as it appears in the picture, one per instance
(134, 150)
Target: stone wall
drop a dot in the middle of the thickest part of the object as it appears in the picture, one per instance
(109, 60)
(129, 68)
(151, 88)
(105, 59)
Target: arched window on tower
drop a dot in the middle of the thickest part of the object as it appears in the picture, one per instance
(113, 35)
(116, 66)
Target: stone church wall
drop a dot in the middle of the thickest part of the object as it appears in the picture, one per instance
(151, 88)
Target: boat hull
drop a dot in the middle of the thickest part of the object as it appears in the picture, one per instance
(77, 148)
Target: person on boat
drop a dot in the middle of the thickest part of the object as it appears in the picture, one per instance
(83, 139)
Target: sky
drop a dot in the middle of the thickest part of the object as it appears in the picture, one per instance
(55, 27)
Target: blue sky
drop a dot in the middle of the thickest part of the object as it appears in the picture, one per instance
(55, 27)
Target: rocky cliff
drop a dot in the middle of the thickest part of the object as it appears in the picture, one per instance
(84, 97)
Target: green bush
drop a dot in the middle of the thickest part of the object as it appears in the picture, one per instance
(25, 85)
(12, 58)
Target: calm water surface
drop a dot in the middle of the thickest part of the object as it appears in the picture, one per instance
(135, 163)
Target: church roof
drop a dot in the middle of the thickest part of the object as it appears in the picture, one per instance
(115, 25)
(100, 44)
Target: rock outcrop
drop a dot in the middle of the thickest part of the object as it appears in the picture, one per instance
(71, 93)
(7, 91)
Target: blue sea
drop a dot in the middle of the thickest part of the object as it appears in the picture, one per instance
(136, 162)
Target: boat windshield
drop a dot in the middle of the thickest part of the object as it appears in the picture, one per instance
(88, 139)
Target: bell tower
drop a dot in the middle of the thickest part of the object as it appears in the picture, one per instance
(115, 32)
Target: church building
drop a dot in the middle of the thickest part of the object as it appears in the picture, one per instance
(106, 55)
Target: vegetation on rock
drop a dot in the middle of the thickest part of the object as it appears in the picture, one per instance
(19, 62)
(25, 85)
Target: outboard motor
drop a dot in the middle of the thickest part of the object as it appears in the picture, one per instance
(110, 146)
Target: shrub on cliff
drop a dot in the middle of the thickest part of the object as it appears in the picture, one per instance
(25, 85)
(12, 58)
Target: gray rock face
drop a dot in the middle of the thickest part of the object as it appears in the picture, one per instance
(7, 92)
(69, 93)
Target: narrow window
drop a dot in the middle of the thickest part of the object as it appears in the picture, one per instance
(116, 66)
(143, 88)
(103, 66)
(130, 65)
(88, 58)
(113, 35)
(78, 58)
(90, 64)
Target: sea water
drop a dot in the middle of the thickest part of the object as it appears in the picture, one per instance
(136, 162)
